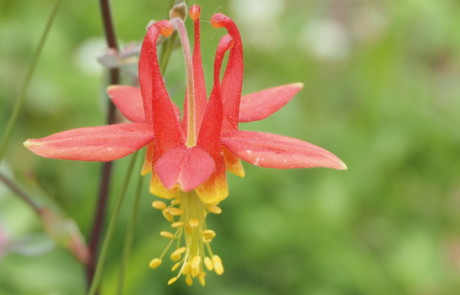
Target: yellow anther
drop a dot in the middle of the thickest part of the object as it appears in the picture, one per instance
(218, 267)
(186, 269)
(189, 230)
(160, 205)
(189, 280)
(196, 261)
(215, 209)
(209, 234)
(175, 211)
(208, 263)
(193, 222)
(175, 256)
(167, 215)
(154, 263)
(201, 279)
(167, 234)
(180, 250)
(176, 266)
(177, 224)
(172, 280)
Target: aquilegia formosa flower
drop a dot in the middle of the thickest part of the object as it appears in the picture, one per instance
(188, 157)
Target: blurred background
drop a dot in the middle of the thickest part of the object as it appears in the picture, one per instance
(381, 91)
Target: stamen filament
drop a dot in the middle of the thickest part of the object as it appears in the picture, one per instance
(192, 255)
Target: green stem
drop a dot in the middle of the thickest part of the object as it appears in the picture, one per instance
(129, 236)
(166, 50)
(20, 99)
(111, 229)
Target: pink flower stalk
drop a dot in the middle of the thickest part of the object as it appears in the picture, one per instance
(189, 156)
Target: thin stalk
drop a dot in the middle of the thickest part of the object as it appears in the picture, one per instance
(106, 170)
(112, 44)
(99, 218)
(166, 50)
(129, 236)
(111, 229)
(21, 96)
(168, 46)
(20, 193)
(94, 271)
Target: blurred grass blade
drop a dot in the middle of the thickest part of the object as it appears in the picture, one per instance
(129, 236)
(20, 99)
(111, 229)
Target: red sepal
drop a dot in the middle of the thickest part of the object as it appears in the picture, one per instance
(128, 100)
(261, 104)
(101, 143)
(276, 151)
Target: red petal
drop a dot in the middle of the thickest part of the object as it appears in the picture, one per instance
(188, 167)
(146, 69)
(276, 151)
(145, 79)
(128, 100)
(214, 189)
(233, 77)
(168, 134)
(259, 105)
(198, 75)
(101, 143)
(209, 136)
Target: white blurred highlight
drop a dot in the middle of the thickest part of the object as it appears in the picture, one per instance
(325, 39)
(259, 19)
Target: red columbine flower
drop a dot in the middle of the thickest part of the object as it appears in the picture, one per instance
(189, 157)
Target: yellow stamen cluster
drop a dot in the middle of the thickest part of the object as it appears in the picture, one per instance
(192, 254)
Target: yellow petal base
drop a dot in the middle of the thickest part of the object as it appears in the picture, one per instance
(233, 163)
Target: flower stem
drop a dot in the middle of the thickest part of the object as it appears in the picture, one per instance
(21, 96)
(166, 50)
(111, 40)
(129, 236)
(106, 171)
(111, 229)
(94, 271)
(99, 218)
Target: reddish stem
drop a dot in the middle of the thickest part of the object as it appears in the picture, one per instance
(106, 172)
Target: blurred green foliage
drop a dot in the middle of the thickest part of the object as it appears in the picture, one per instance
(381, 91)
